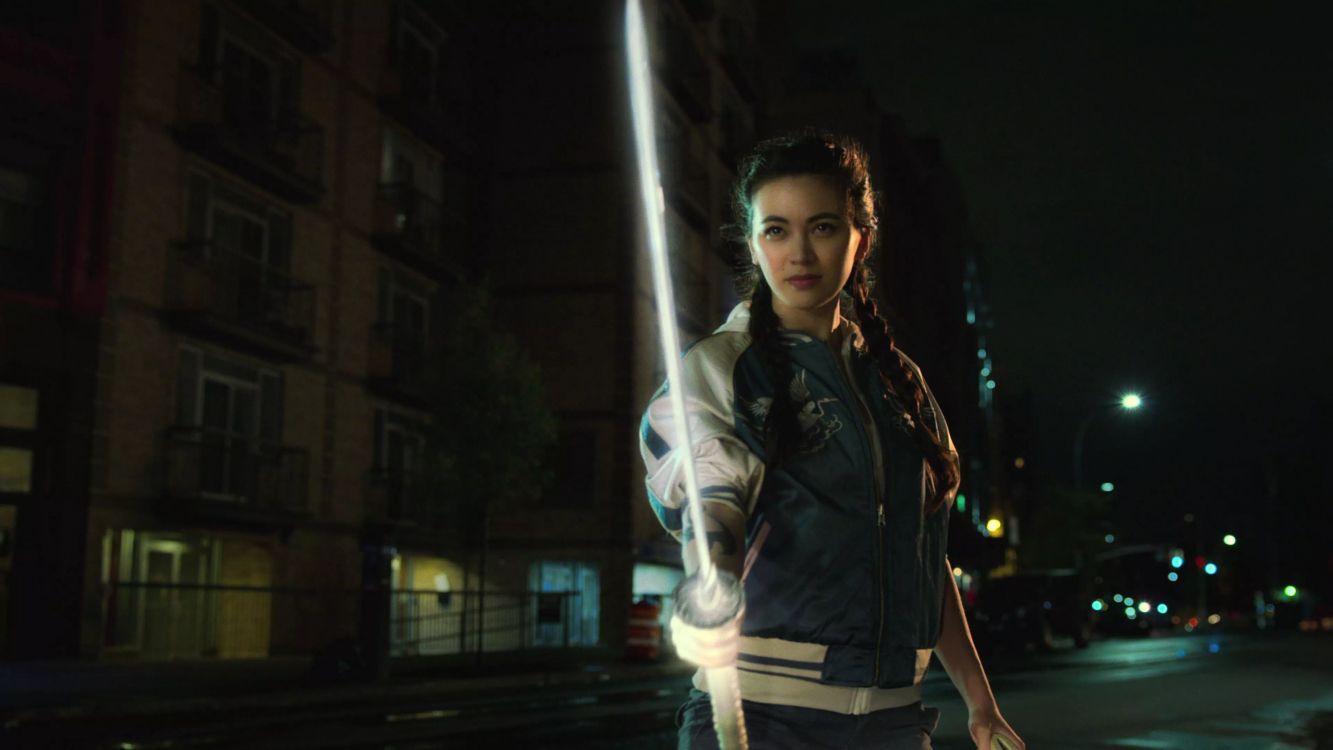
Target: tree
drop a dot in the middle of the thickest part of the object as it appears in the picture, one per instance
(492, 426)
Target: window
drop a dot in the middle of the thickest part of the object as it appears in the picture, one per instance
(400, 443)
(258, 81)
(238, 225)
(404, 313)
(403, 161)
(18, 407)
(418, 43)
(400, 454)
(568, 602)
(237, 413)
(18, 423)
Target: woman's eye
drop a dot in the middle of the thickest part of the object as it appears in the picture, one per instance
(769, 231)
(824, 226)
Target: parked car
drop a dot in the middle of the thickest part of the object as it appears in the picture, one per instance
(1031, 610)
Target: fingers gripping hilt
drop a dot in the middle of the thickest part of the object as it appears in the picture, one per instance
(713, 601)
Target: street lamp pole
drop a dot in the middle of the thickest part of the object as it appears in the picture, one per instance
(1128, 402)
(1078, 448)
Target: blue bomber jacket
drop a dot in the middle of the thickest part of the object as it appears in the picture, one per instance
(845, 574)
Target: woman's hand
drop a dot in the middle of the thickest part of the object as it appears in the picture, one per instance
(708, 647)
(985, 723)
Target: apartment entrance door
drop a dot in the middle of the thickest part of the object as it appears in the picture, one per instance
(175, 619)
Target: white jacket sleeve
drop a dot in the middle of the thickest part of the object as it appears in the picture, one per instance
(727, 470)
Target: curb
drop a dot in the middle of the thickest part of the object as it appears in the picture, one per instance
(127, 707)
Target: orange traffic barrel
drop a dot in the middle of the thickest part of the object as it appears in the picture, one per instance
(645, 632)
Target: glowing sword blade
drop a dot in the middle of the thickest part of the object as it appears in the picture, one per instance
(728, 719)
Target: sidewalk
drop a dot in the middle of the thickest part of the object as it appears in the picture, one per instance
(55, 691)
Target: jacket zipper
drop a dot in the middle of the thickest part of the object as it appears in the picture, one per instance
(871, 436)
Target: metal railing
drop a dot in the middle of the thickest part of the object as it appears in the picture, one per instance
(205, 465)
(158, 620)
(424, 622)
(399, 360)
(278, 147)
(403, 497)
(242, 289)
(412, 220)
(162, 620)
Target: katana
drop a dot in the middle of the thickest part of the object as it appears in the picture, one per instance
(711, 600)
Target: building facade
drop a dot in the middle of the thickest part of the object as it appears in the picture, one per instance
(567, 251)
(222, 290)
(220, 281)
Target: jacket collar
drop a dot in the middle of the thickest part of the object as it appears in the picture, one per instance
(738, 321)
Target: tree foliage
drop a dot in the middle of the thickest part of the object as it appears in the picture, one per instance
(492, 425)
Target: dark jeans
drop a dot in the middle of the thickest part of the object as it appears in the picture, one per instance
(772, 727)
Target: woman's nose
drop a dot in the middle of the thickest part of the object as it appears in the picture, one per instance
(805, 250)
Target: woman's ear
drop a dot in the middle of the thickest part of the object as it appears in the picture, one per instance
(863, 245)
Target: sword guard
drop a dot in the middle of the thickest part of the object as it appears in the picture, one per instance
(703, 603)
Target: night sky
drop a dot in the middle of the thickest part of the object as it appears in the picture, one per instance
(1152, 191)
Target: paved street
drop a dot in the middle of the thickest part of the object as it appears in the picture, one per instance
(1186, 693)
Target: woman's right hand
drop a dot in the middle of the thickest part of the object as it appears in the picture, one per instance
(708, 647)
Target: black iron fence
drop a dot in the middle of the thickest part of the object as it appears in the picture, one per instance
(427, 622)
(165, 620)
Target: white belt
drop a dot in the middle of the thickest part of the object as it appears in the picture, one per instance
(796, 681)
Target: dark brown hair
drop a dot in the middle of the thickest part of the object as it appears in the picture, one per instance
(843, 160)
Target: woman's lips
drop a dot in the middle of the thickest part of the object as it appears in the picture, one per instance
(803, 282)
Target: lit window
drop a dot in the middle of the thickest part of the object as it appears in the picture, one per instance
(15, 470)
(18, 408)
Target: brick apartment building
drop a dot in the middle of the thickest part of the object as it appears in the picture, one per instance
(227, 229)
(213, 400)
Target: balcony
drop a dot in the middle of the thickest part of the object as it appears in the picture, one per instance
(219, 476)
(401, 497)
(241, 302)
(303, 23)
(281, 151)
(413, 227)
(436, 110)
(398, 366)
(738, 58)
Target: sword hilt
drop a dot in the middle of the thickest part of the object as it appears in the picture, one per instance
(714, 601)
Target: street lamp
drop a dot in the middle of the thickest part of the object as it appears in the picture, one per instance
(1128, 402)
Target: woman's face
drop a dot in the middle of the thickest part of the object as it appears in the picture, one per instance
(802, 241)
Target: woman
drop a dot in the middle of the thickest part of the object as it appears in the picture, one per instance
(826, 472)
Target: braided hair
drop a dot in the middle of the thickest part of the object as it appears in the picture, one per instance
(843, 159)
